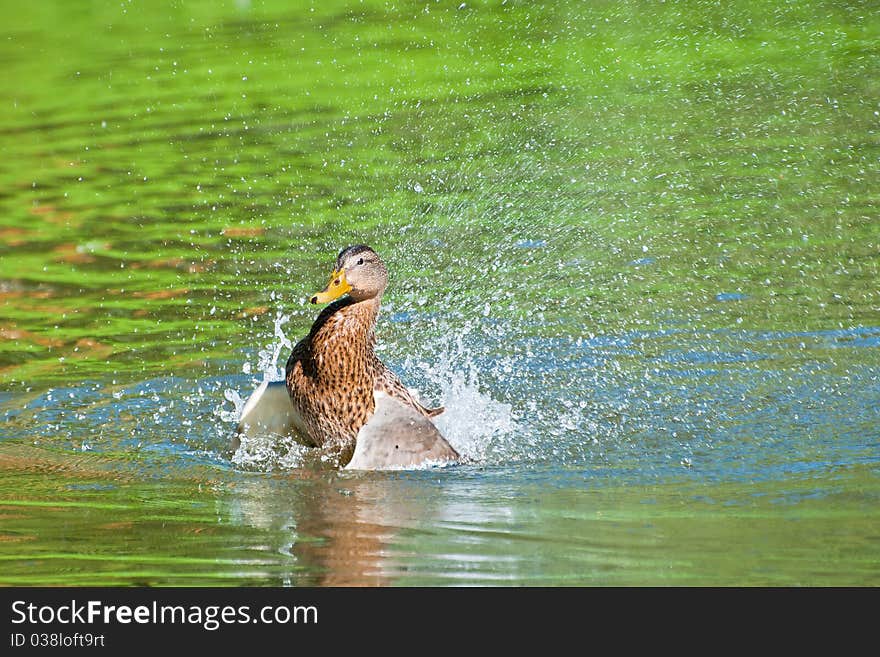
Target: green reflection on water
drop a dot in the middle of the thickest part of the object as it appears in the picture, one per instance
(372, 530)
(173, 176)
(159, 163)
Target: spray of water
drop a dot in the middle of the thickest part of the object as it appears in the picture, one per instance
(476, 424)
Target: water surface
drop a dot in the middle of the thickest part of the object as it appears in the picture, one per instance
(634, 249)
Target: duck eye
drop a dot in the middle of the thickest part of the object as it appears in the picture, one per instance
(360, 261)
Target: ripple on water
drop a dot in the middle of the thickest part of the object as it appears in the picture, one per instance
(747, 404)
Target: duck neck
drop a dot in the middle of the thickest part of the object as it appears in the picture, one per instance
(366, 312)
(352, 321)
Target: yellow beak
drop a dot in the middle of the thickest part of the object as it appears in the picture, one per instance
(335, 288)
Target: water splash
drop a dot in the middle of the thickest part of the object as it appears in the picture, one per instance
(238, 403)
(474, 423)
(269, 355)
(268, 452)
(479, 426)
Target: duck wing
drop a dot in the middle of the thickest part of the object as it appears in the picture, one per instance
(387, 382)
(268, 410)
(398, 436)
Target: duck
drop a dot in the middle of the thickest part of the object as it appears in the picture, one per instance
(337, 396)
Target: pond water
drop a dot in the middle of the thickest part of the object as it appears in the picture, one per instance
(634, 249)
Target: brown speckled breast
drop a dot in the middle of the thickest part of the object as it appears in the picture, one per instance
(332, 373)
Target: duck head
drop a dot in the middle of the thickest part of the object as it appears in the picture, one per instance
(359, 271)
